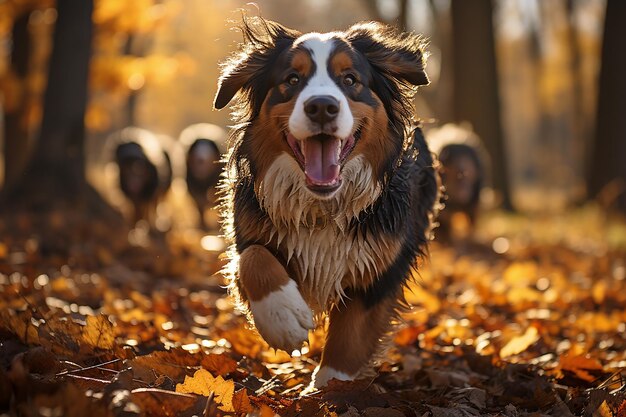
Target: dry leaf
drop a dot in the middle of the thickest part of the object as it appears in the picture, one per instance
(603, 411)
(155, 401)
(219, 364)
(520, 343)
(203, 383)
(98, 332)
(241, 401)
(580, 365)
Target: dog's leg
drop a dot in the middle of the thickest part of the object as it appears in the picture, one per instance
(354, 335)
(280, 314)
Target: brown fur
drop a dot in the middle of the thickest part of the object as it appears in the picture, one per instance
(301, 62)
(261, 273)
(340, 62)
(350, 252)
(354, 334)
(374, 143)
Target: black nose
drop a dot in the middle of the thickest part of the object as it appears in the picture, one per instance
(321, 109)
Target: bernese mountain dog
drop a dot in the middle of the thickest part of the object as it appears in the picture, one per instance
(330, 187)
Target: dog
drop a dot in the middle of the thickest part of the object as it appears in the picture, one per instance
(145, 169)
(330, 187)
(462, 171)
(202, 142)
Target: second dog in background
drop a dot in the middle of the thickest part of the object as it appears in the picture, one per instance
(202, 144)
(145, 170)
(462, 172)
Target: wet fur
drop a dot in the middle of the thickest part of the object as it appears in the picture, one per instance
(355, 249)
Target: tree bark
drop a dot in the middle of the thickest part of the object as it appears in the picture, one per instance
(476, 91)
(403, 15)
(57, 169)
(55, 176)
(607, 173)
(16, 139)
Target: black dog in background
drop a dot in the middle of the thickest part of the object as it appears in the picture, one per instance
(145, 170)
(202, 143)
(462, 173)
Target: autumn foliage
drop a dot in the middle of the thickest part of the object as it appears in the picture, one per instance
(530, 321)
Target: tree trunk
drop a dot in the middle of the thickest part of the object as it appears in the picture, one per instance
(403, 15)
(56, 172)
(16, 139)
(607, 174)
(476, 92)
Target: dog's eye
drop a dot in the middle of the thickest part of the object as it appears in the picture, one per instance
(293, 79)
(349, 80)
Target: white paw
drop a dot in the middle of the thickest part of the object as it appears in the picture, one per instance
(323, 374)
(283, 318)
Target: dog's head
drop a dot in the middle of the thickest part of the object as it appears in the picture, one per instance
(322, 100)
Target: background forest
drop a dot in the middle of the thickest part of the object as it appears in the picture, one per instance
(519, 311)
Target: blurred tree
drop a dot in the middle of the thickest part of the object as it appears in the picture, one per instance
(56, 171)
(476, 93)
(20, 28)
(606, 177)
(15, 130)
(57, 167)
(124, 63)
(402, 18)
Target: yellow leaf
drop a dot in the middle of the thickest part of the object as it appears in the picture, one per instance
(603, 411)
(98, 332)
(520, 343)
(203, 383)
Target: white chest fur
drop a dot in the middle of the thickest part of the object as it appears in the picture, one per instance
(314, 232)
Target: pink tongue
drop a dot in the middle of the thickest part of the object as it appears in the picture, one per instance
(321, 164)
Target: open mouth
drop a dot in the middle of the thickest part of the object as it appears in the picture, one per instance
(321, 157)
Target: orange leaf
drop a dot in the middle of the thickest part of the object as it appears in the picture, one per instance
(520, 343)
(219, 364)
(579, 365)
(203, 383)
(241, 402)
(266, 411)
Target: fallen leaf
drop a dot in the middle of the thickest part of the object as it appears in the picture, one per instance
(520, 343)
(603, 411)
(203, 383)
(580, 365)
(219, 364)
(155, 401)
(241, 401)
(98, 332)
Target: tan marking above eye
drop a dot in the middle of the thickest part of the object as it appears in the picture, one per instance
(302, 63)
(340, 62)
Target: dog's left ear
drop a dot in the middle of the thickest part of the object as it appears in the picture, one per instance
(400, 55)
(263, 40)
(234, 77)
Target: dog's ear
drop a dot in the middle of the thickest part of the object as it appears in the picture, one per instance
(400, 55)
(263, 40)
(233, 78)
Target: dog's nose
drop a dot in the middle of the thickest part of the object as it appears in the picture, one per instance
(321, 109)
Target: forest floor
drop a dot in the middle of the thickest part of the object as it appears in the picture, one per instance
(528, 320)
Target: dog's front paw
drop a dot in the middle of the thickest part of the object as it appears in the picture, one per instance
(323, 374)
(283, 318)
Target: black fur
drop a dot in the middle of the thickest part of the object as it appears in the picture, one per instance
(405, 209)
(392, 68)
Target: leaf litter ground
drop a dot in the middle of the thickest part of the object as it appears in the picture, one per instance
(529, 319)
